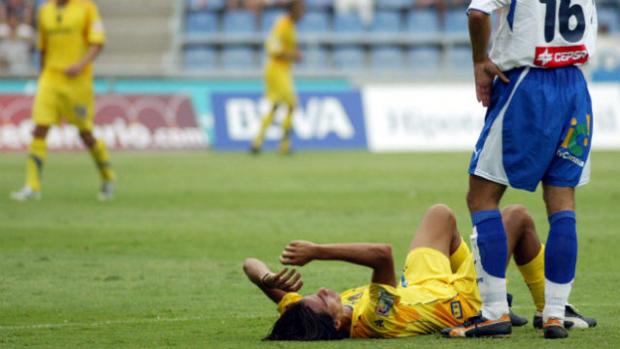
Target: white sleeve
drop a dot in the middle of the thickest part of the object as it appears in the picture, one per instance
(488, 6)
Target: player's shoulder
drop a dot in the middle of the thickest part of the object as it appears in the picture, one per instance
(284, 22)
(89, 4)
(46, 5)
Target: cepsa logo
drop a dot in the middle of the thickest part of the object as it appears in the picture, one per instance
(554, 57)
(321, 121)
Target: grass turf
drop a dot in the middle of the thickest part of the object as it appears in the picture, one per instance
(161, 265)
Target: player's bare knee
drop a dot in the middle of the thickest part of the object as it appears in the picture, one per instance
(40, 131)
(473, 201)
(88, 138)
(442, 213)
(519, 216)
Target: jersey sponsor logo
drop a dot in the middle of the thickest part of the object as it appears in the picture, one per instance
(555, 57)
(321, 121)
(384, 303)
(457, 310)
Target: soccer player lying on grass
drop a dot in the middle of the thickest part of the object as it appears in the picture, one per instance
(437, 292)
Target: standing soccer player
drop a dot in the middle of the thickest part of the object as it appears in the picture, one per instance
(538, 128)
(282, 52)
(71, 35)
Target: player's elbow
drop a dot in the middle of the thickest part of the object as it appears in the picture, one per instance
(247, 263)
(383, 253)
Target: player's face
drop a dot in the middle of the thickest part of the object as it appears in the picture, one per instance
(325, 301)
(298, 9)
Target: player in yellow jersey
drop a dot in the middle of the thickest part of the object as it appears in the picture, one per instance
(437, 291)
(282, 53)
(71, 35)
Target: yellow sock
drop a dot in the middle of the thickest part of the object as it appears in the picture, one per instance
(287, 125)
(34, 165)
(260, 138)
(534, 276)
(100, 154)
(459, 256)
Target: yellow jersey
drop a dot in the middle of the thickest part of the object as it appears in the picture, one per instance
(382, 311)
(65, 34)
(283, 38)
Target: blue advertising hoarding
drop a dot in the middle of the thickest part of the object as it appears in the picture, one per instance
(323, 120)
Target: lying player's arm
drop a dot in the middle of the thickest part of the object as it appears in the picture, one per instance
(375, 256)
(484, 69)
(274, 285)
(89, 57)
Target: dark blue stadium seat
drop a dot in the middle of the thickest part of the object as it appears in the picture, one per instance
(269, 18)
(423, 21)
(318, 4)
(348, 23)
(314, 58)
(386, 58)
(424, 58)
(386, 21)
(200, 22)
(349, 58)
(238, 58)
(456, 21)
(608, 17)
(199, 58)
(393, 4)
(314, 22)
(238, 22)
(209, 5)
(459, 58)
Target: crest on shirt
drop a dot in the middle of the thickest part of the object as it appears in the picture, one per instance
(80, 111)
(385, 303)
(457, 310)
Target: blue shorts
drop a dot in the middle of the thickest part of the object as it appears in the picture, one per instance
(537, 128)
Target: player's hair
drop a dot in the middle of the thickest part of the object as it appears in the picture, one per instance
(300, 323)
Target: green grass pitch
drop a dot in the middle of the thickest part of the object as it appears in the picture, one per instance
(161, 265)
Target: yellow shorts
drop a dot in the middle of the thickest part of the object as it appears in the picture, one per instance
(429, 268)
(72, 100)
(279, 87)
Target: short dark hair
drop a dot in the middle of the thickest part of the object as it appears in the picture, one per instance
(300, 323)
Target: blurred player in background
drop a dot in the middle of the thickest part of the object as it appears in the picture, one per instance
(538, 128)
(437, 290)
(71, 35)
(282, 52)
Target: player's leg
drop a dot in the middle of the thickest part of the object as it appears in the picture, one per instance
(438, 231)
(490, 245)
(528, 252)
(266, 121)
(37, 153)
(81, 113)
(568, 169)
(561, 252)
(287, 128)
(101, 157)
(44, 113)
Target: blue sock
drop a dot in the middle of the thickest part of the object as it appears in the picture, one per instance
(492, 242)
(561, 248)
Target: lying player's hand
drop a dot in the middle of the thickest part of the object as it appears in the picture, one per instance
(286, 280)
(484, 73)
(298, 253)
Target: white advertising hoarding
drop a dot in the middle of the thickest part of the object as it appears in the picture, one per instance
(415, 117)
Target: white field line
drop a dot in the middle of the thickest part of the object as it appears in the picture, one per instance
(109, 323)
(202, 318)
